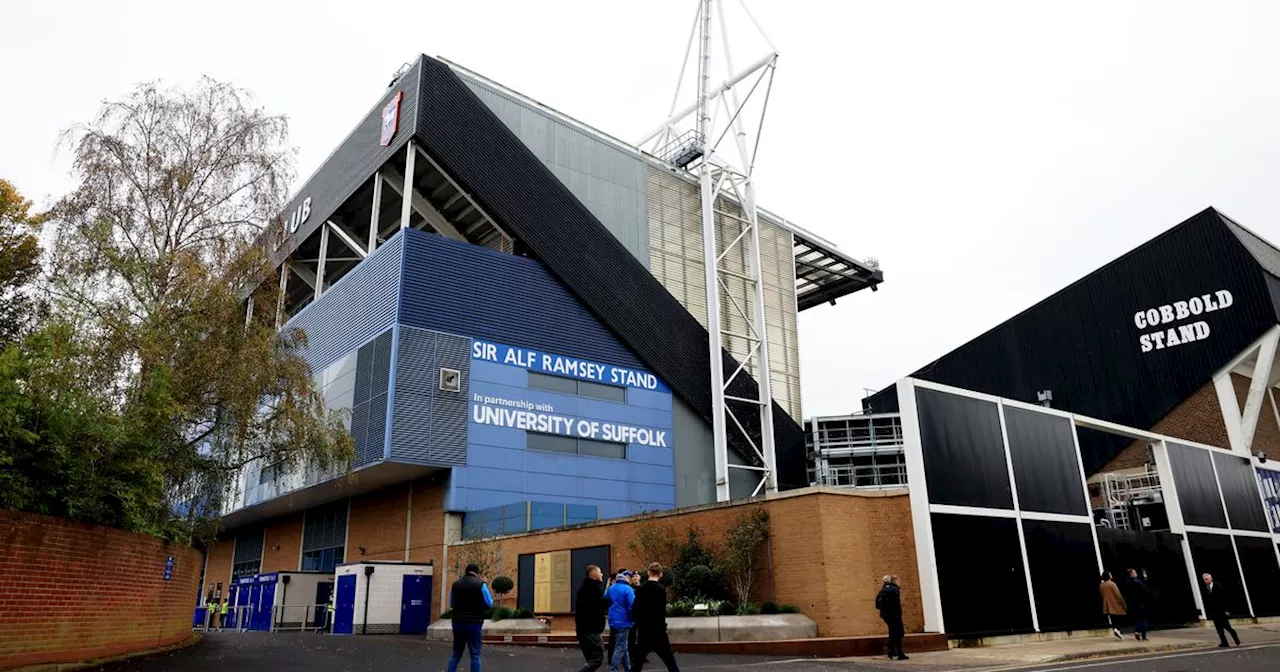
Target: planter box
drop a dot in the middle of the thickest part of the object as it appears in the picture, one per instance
(442, 629)
(762, 628)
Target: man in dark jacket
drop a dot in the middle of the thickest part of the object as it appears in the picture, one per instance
(1215, 607)
(1137, 597)
(889, 602)
(469, 599)
(650, 614)
(588, 619)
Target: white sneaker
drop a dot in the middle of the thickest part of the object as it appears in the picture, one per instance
(1116, 632)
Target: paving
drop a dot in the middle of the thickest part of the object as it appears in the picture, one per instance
(1184, 650)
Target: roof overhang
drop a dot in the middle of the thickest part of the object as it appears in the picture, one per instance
(824, 273)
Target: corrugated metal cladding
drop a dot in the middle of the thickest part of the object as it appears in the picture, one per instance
(609, 180)
(1084, 345)
(458, 288)
(248, 545)
(675, 235)
(353, 163)
(429, 425)
(360, 305)
(526, 199)
(369, 408)
(325, 527)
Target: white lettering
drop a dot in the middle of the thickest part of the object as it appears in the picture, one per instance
(1209, 305)
(1202, 330)
(1139, 320)
(1224, 298)
(1180, 308)
(1196, 306)
(1171, 338)
(1166, 314)
(1153, 317)
(1176, 312)
(1145, 342)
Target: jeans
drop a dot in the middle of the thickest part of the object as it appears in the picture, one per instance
(896, 633)
(592, 651)
(620, 650)
(466, 636)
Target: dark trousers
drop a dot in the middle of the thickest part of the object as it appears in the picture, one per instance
(1223, 625)
(466, 636)
(896, 633)
(654, 642)
(1139, 616)
(592, 651)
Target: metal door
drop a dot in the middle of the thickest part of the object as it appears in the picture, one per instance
(344, 614)
(415, 600)
(264, 606)
(323, 590)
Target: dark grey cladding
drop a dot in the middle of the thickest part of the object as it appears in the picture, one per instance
(1084, 344)
(490, 163)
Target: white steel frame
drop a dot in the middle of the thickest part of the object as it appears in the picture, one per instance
(921, 508)
(718, 175)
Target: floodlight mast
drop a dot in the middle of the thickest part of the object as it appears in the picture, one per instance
(719, 176)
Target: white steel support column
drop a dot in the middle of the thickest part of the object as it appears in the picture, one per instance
(377, 210)
(284, 287)
(406, 194)
(321, 261)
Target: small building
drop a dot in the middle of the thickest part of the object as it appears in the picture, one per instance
(382, 598)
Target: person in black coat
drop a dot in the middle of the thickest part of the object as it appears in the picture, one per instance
(1137, 597)
(889, 602)
(650, 614)
(1215, 608)
(588, 617)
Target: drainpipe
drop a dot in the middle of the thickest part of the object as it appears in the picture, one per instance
(368, 581)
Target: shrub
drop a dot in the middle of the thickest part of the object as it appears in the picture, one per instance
(724, 608)
(502, 585)
(447, 613)
(699, 581)
(748, 609)
(744, 546)
(769, 608)
(695, 553)
(788, 609)
(500, 613)
(680, 607)
(522, 613)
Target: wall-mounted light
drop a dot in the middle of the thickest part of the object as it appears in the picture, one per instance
(362, 551)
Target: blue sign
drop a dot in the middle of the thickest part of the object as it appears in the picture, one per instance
(1269, 484)
(168, 568)
(569, 367)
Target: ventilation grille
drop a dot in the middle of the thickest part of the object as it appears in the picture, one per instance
(430, 425)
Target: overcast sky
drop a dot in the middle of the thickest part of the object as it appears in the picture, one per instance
(987, 153)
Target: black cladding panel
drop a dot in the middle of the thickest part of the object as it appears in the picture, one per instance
(964, 460)
(983, 592)
(1240, 493)
(1158, 556)
(1212, 554)
(1197, 490)
(525, 575)
(579, 560)
(1261, 573)
(1064, 574)
(1045, 463)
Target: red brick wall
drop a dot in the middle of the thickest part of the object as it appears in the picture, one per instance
(377, 523)
(426, 531)
(828, 551)
(282, 544)
(71, 591)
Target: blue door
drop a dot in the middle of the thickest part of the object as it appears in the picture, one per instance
(415, 596)
(344, 606)
(264, 606)
(244, 593)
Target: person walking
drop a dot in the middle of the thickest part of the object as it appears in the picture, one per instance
(211, 610)
(1137, 598)
(588, 618)
(621, 598)
(329, 610)
(1215, 608)
(650, 615)
(889, 602)
(1113, 605)
(222, 615)
(469, 598)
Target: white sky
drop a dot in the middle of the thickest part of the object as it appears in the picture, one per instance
(988, 153)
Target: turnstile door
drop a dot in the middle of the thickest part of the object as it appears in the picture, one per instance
(344, 608)
(323, 591)
(415, 599)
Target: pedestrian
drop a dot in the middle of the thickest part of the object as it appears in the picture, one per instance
(1113, 605)
(634, 580)
(1137, 598)
(211, 608)
(222, 616)
(889, 602)
(1215, 608)
(650, 615)
(469, 598)
(588, 618)
(613, 641)
(329, 611)
(621, 598)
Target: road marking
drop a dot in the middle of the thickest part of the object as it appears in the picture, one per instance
(1125, 660)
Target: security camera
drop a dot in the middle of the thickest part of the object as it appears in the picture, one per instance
(1262, 457)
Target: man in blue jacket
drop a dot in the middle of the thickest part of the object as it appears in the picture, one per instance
(621, 597)
(469, 598)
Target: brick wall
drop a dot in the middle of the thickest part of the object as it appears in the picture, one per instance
(282, 544)
(828, 550)
(426, 531)
(377, 523)
(218, 569)
(71, 591)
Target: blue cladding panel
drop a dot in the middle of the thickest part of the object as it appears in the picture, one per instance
(466, 289)
(359, 306)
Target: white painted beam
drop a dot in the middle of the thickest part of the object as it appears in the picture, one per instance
(422, 206)
(1262, 371)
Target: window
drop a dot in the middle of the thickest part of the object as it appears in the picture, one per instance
(324, 560)
(581, 388)
(247, 558)
(324, 536)
(567, 444)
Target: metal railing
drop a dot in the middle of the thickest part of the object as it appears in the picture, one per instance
(236, 618)
(299, 618)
